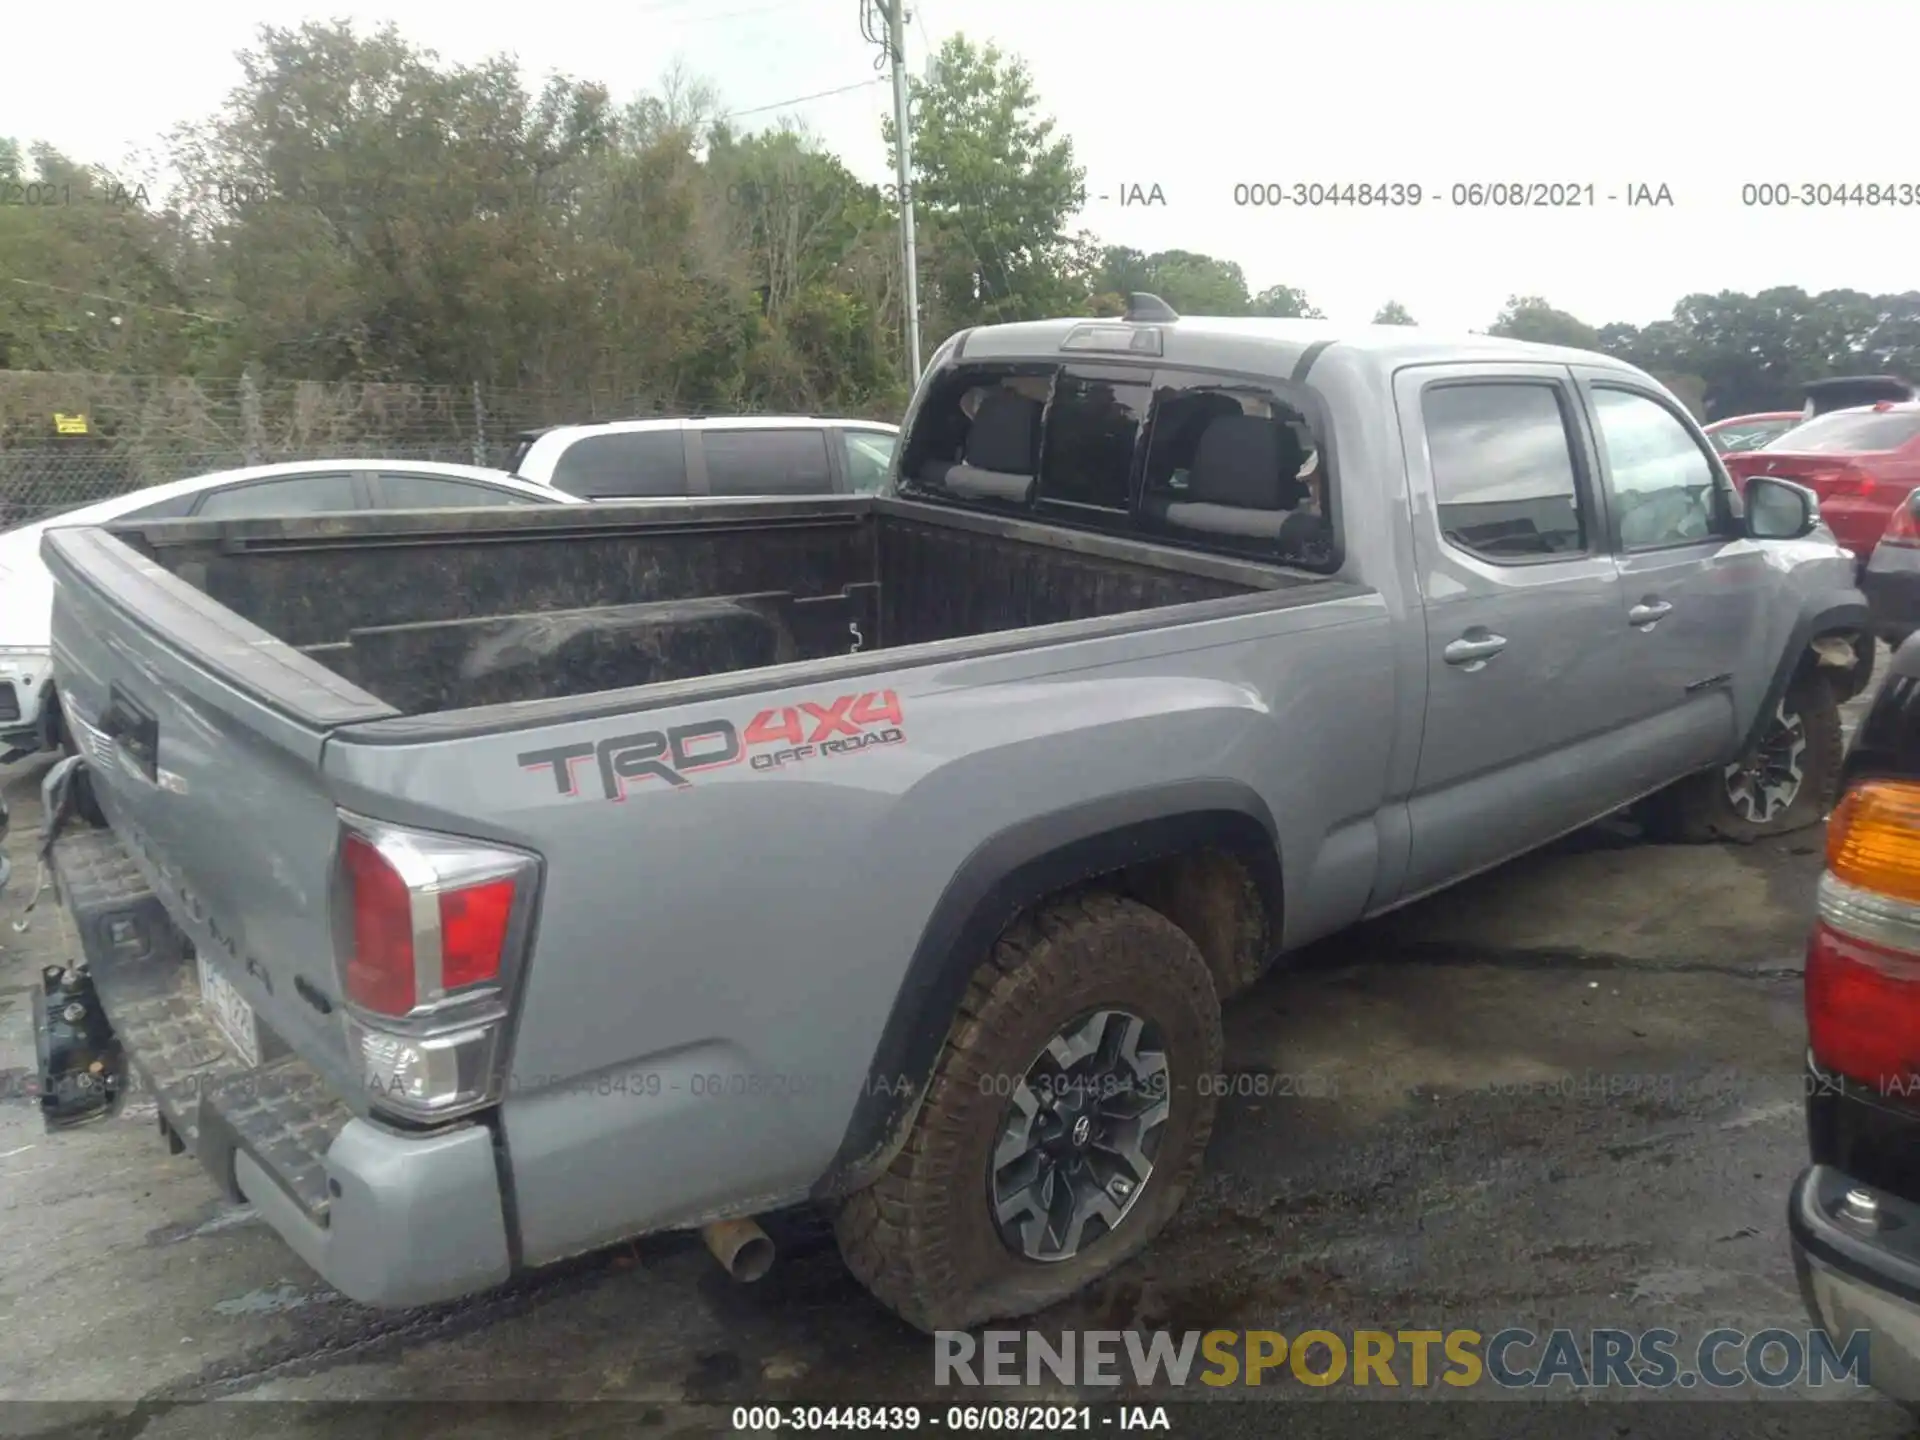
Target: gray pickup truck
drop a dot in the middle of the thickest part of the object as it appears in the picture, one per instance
(483, 888)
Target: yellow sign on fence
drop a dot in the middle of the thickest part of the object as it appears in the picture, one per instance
(69, 424)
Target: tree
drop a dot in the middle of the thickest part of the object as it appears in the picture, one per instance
(1191, 283)
(1393, 313)
(994, 190)
(1284, 302)
(91, 279)
(1528, 317)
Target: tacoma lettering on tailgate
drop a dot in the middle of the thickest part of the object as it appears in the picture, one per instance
(772, 740)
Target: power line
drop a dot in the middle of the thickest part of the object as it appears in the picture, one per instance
(798, 99)
(123, 304)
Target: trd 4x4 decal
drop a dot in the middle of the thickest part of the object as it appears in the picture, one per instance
(773, 740)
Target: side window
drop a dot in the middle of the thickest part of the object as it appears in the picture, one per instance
(1091, 429)
(1501, 455)
(296, 495)
(174, 509)
(627, 465)
(868, 454)
(436, 492)
(767, 462)
(1661, 480)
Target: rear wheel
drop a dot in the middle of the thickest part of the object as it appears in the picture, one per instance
(1787, 781)
(1066, 1117)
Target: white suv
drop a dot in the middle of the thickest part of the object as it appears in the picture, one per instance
(736, 455)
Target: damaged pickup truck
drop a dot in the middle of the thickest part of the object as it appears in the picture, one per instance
(482, 888)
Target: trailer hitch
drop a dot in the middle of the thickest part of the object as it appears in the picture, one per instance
(80, 1065)
(79, 1058)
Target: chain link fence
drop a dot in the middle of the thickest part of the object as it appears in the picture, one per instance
(68, 440)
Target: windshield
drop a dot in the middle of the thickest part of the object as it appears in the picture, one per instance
(1852, 431)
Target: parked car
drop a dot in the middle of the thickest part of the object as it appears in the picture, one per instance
(1849, 392)
(1863, 463)
(30, 721)
(1854, 1213)
(1891, 580)
(734, 455)
(653, 869)
(1751, 432)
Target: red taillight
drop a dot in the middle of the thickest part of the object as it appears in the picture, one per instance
(1848, 484)
(1902, 529)
(473, 932)
(380, 965)
(463, 941)
(1863, 1009)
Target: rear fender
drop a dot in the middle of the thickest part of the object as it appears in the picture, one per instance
(1007, 874)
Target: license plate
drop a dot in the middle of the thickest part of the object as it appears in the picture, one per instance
(232, 1014)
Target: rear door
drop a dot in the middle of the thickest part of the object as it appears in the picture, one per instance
(1522, 608)
(1693, 587)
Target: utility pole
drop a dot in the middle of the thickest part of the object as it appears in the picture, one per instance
(895, 13)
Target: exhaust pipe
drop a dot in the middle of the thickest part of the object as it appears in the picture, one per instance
(741, 1247)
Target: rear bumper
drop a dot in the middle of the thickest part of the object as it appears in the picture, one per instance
(388, 1218)
(1859, 1279)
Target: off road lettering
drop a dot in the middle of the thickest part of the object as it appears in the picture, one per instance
(772, 740)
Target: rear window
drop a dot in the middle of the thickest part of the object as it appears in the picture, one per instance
(631, 464)
(1847, 431)
(1200, 461)
(1092, 429)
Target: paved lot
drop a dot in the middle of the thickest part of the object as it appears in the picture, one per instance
(1431, 1179)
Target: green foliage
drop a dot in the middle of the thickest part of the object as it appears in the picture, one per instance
(994, 190)
(1528, 317)
(359, 209)
(1284, 302)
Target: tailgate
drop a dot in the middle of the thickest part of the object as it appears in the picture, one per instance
(204, 736)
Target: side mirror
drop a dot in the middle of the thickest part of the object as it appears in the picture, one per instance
(1779, 509)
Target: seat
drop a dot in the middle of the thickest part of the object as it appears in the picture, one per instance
(1000, 451)
(1244, 480)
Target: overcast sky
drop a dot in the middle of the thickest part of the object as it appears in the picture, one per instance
(1698, 96)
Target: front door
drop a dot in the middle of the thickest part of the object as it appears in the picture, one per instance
(1692, 586)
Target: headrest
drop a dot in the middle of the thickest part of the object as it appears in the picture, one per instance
(1005, 433)
(1248, 461)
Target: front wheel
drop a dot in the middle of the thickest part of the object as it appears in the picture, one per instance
(1787, 781)
(1066, 1116)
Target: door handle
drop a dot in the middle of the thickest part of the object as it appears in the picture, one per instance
(1474, 653)
(1647, 612)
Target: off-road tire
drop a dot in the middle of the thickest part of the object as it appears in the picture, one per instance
(1698, 810)
(922, 1236)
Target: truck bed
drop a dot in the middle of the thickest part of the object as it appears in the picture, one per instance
(456, 610)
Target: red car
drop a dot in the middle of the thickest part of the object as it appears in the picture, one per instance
(1862, 463)
(1750, 432)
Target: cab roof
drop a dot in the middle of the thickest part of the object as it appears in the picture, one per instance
(1262, 346)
